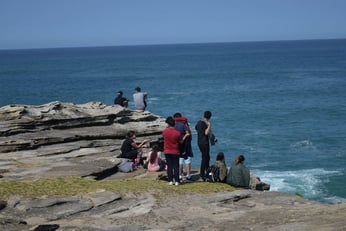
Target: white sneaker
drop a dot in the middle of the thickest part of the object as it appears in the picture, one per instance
(180, 177)
(170, 183)
(176, 183)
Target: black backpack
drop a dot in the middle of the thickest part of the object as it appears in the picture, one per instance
(213, 174)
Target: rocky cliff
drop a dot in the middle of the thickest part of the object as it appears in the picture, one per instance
(64, 139)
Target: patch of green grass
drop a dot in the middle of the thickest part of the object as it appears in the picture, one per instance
(299, 194)
(70, 186)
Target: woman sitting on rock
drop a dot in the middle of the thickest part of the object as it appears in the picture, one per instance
(154, 160)
(239, 175)
(220, 163)
(130, 150)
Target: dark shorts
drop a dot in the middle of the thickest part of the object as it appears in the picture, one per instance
(130, 155)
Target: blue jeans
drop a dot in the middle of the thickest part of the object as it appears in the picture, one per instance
(172, 167)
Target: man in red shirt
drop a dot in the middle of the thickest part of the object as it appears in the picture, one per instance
(172, 139)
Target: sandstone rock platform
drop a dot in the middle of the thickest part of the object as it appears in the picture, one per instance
(64, 139)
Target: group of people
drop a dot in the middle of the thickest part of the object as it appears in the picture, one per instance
(139, 99)
(178, 152)
(238, 175)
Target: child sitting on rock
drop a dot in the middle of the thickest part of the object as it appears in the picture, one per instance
(154, 161)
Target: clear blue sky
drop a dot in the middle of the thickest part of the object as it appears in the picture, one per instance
(71, 23)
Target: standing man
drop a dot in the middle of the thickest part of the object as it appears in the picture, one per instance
(182, 125)
(203, 128)
(140, 99)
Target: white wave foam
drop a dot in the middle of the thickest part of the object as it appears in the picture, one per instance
(335, 200)
(303, 144)
(153, 99)
(308, 182)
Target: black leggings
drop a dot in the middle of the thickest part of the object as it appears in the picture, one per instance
(205, 160)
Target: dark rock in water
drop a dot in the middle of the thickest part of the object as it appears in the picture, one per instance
(257, 184)
(263, 186)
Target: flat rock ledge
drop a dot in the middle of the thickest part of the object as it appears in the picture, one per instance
(64, 139)
(237, 210)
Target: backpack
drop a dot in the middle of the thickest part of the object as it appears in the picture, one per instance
(125, 166)
(213, 173)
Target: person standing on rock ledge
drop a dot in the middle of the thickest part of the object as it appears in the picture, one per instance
(182, 125)
(203, 128)
(172, 139)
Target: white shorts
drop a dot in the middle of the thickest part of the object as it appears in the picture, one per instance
(186, 161)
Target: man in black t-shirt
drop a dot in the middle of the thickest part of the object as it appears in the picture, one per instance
(203, 128)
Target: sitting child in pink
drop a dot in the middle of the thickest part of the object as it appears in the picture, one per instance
(154, 160)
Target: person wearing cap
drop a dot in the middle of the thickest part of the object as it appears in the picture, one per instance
(140, 99)
(120, 100)
(186, 153)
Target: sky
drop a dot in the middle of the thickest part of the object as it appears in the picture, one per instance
(82, 23)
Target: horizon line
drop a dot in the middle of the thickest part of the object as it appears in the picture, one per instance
(168, 44)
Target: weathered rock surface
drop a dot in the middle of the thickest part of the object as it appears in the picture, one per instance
(63, 139)
(238, 210)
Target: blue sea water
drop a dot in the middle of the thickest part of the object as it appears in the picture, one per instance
(281, 104)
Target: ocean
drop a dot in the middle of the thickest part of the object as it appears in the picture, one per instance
(282, 104)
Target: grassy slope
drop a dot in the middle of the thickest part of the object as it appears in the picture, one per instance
(71, 186)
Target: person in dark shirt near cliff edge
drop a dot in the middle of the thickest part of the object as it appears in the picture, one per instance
(120, 100)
